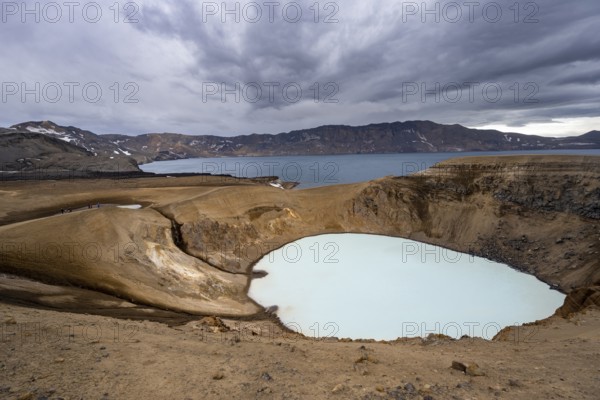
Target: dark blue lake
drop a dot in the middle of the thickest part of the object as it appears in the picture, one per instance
(312, 171)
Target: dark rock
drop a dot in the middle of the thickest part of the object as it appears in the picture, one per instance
(217, 376)
(410, 388)
(459, 366)
(396, 394)
(266, 377)
(514, 383)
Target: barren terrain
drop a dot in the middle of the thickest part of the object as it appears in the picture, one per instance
(150, 276)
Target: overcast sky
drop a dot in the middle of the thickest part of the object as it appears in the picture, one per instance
(267, 67)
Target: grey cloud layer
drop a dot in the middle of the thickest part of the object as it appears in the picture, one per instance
(375, 54)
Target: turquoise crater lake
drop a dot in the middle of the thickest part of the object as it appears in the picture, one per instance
(379, 287)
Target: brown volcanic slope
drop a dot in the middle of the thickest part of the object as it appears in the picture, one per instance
(191, 249)
(192, 245)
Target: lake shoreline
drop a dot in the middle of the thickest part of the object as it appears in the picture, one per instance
(458, 213)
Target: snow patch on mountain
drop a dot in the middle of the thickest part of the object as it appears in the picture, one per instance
(51, 132)
(118, 143)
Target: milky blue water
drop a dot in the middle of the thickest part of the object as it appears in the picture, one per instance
(363, 286)
(378, 287)
(312, 171)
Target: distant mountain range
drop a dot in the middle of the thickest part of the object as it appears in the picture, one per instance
(45, 143)
(44, 149)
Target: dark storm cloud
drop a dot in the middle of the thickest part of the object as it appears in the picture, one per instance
(402, 51)
(580, 78)
(545, 59)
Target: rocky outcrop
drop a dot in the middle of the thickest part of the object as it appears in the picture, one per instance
(561, 186)
(580, 299)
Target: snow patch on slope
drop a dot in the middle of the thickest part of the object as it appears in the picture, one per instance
(51, 132)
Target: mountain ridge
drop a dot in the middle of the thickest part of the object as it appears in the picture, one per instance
(48, 151)
(377, 138)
